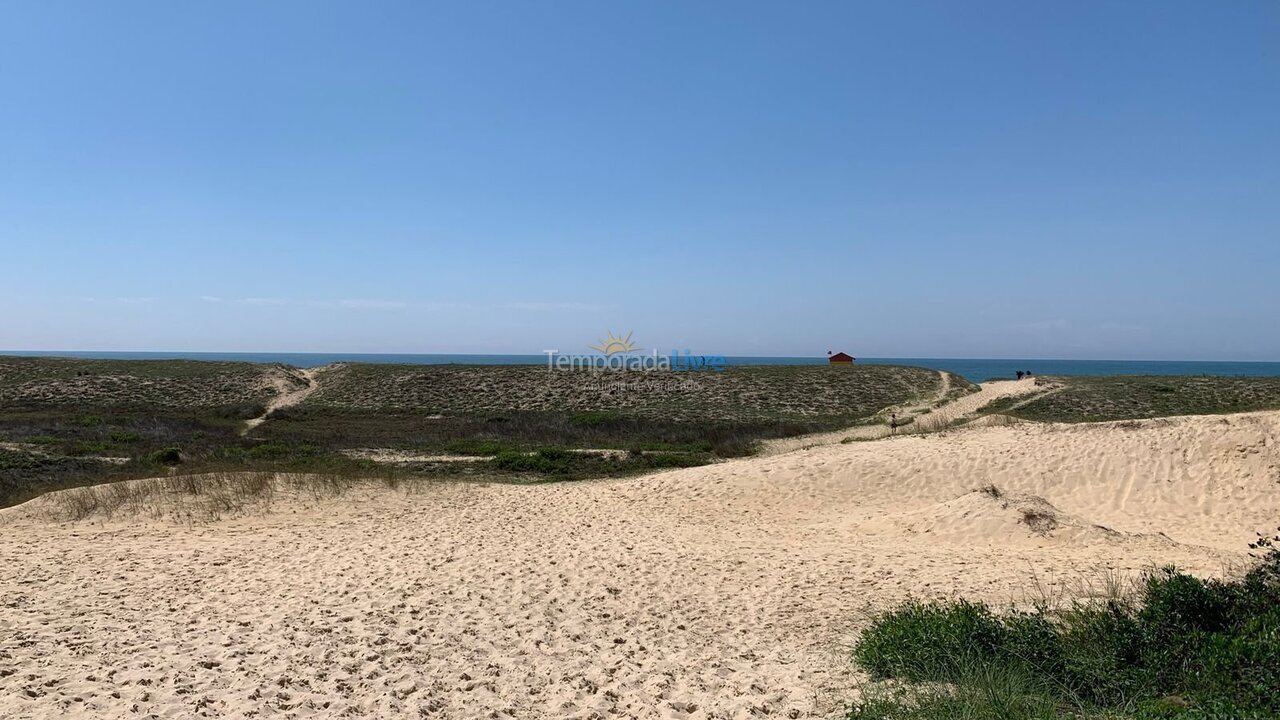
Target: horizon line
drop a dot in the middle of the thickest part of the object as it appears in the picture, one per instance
(542, 354)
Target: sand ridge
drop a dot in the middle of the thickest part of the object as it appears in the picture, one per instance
(725, 591)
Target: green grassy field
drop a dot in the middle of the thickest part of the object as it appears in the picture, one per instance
(1091, 399)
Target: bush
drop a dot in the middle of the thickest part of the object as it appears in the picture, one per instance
(1185, 647)
(667, 460)
(166, 456)
(930, 641)
(1098, 652)
(554, 454)
(269, 451)
(546, 461)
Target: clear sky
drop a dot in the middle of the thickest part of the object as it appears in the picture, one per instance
(929, 179)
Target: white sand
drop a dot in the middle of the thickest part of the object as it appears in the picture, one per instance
(733, 590)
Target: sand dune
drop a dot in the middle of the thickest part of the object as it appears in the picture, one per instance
(726, 591)
(937, 418)
(988, 514)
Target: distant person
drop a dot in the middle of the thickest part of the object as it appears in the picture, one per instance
(1020, 373)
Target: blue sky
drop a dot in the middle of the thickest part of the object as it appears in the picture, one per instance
(1009, 179)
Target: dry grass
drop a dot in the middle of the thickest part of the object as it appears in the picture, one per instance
(193, 499)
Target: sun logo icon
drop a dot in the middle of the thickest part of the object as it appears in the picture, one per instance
(612, 345)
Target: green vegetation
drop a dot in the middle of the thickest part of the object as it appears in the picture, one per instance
(23, 475)
(76, 422)
(1182, 648)
(69, 422)
(740, 394)
(48, 448)
(959, 388)
(561, 464)
(510, 413)
(166, 456)
(237, 389)
(489, 433)
(1089, 399)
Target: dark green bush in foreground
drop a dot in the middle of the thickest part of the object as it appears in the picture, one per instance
(1184, 648)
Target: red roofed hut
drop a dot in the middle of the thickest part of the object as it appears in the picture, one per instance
(840, 358)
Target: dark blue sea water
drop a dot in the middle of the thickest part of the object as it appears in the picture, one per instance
(976, 370)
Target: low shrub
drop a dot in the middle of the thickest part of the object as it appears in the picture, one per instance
(669, 460)
(166, 456)
(1184, 647)
(546, 461)
(554, 454)
(930, 641)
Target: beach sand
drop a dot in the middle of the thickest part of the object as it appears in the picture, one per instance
(728, 591)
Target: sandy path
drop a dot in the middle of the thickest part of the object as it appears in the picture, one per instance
(292, 387)
(726, 591)
(958, 409)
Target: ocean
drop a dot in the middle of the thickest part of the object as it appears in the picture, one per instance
(973, 369)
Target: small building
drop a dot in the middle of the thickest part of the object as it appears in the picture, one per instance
(840, 358)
